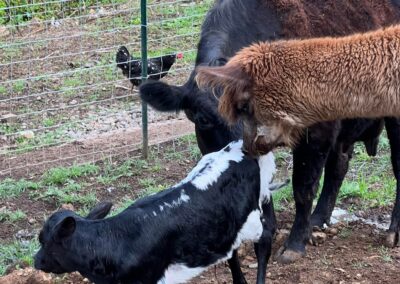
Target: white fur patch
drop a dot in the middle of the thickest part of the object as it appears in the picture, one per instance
(267, 171)
(251, 230)
(184, 198)
(179, 273)
(211, 166)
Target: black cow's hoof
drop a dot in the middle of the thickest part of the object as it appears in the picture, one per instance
(317, 222)
(287, 256)
(392, 239)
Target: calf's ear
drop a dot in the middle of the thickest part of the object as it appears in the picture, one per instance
(100, 211)
(235, 84)
(64, 229)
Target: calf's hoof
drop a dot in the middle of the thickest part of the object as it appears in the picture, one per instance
(392, 239)
(287, 256)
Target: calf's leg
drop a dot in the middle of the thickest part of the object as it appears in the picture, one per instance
(264, 245)
(236, 271)
(393, 131)
(309, 158)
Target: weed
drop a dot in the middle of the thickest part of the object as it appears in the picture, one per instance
(19, 86)
(17, 251)
(3, 90)
(359, 264)
(61, 196)
(62, 175)
(48, 122)
(126, 169)
(345, 233)
(385, 254)
(157, 167)
(281, 197)
(11, 216)
(150, 186)
(12, 188)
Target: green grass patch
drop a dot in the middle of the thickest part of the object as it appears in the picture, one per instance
(12, 188)
(282, 197)
(128, 168)
(3, 90)
(62, 196)
(62, 175)
(19, 86)
(17, 251)
(48, 122)
(12, 216)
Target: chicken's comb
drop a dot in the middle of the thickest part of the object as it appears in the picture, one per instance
(179, 55)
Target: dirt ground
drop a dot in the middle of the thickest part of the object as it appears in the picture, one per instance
(356, 256)
(354, 253)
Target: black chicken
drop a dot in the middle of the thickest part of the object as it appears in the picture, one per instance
(157, 67)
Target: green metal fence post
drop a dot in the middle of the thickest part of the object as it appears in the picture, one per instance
(143, 20)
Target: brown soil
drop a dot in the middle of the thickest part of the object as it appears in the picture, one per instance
(355, 257)
(110, 144)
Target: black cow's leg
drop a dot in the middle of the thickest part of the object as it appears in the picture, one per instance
(336, 168)
(309, 158)
(264, 246)
(393, 131)
(234, 266)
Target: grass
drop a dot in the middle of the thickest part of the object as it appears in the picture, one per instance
(3, 90)
(11, 188)
(62, 175)
(282, 197)
(12, 216)
(17, 251)
(128, 168)
(385, 254)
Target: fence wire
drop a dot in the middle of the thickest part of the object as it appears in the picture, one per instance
(62, 98)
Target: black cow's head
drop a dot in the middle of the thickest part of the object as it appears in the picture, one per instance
(57, 253)
(201, 107)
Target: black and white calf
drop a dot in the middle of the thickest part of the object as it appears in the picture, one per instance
(174, 235)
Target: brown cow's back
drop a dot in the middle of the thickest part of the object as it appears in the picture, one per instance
(316, 18)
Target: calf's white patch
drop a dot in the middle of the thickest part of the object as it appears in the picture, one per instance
(267, 171)
(212, 165)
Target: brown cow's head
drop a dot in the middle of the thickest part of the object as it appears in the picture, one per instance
(264, 129)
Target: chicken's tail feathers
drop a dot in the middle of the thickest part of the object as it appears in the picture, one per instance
(123, 56)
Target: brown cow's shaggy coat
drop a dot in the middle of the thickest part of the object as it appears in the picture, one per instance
(281, 88)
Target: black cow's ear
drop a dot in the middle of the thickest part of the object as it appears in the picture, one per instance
(161, 96)
(65, 228)
(100, 211)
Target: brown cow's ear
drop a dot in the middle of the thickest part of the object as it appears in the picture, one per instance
(235, 84)
(220, 76)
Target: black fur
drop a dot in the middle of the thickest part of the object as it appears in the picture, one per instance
(137, 245)
(231, 25)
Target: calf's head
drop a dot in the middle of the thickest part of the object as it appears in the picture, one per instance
(265, 125)
(57, 253)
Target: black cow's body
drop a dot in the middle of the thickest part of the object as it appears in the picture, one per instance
(233, 24)
(173, 235)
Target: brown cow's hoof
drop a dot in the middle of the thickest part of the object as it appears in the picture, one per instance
(287, 256)
(392, 239)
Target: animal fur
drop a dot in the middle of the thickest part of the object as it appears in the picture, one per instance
(281, 88)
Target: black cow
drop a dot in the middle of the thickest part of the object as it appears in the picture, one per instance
(174, 235)
(233, 24)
